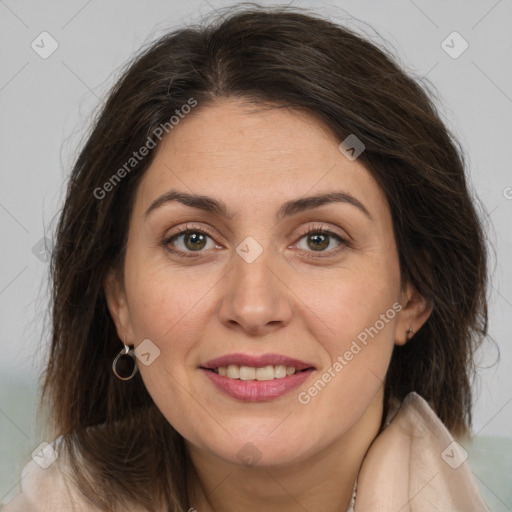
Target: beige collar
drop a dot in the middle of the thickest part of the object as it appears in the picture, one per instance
(415, 465)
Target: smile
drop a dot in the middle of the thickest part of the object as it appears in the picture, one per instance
(256, 378)
(251, 373)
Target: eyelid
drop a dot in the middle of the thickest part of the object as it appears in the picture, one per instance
(193, 227)
(322, 228)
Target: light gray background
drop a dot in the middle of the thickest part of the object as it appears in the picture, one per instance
(46, 106)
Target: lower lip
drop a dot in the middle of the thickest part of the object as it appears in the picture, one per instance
(256, 390)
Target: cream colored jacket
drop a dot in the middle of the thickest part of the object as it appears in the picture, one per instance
(413, 465)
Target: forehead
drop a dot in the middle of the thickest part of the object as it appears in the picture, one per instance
(245, 154)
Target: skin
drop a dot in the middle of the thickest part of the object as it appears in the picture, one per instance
(215, 303)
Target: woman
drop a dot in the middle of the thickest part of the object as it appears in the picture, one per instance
(269, 281)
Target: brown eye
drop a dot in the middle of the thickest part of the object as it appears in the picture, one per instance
(189, 241)
(319, 240)
(194, 240)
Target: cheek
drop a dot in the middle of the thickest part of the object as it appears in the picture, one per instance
(169, 309)
(354, 322)
(353, 304)
(357, 355)
(166, 303)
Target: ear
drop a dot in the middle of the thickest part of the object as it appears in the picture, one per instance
(415, 312)
(118, 306)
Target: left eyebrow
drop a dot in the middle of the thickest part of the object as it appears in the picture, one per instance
(306, 203)
(289, 208)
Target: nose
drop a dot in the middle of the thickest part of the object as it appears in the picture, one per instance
(256, 299)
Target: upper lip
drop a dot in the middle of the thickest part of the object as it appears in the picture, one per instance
(256, 361)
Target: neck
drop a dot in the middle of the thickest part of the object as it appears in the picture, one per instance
(322, 481)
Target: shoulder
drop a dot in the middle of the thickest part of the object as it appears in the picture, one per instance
(46, 485)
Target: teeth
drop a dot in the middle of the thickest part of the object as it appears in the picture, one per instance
(280, 371)
(247, 373)
(265, 373)
(233, 371)
(270, 372)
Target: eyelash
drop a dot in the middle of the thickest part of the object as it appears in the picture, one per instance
(320, 230)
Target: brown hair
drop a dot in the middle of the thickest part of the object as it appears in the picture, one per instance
(122, 448)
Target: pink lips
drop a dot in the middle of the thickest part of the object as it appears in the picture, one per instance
(253, 390)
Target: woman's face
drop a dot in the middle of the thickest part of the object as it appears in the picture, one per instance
(250, 286)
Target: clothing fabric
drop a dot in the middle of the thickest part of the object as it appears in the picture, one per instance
(413, 465)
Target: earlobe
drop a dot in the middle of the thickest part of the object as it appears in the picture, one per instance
(117, 305)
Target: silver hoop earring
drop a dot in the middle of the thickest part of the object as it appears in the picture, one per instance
(124, 365)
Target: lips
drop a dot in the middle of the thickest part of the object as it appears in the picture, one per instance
(256, 378)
